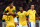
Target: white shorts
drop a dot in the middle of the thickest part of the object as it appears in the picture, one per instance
(23, 25)
(32, 24)
(3, 24)
(15, 19)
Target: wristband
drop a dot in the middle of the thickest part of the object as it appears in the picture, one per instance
(5, 11)
(14, 11)
(15, 14)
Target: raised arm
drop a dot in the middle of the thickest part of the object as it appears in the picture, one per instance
(5, 11)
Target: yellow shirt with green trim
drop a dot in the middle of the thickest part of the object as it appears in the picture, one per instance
(31, 14)
(10, 17)
(9, 20)
(22, 18)
(10, 10)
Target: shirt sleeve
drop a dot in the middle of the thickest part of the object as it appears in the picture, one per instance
(35, 11)
(14, 8)
(27, 15)
(17, 14)
(28, 12)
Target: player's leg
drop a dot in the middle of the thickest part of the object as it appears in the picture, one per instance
(34, 24)
(3, 23)
(30, 24)
(20, 25)
(15, 19)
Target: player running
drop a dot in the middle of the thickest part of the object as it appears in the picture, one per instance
(31, 12)
(22, 17)
(8, 16)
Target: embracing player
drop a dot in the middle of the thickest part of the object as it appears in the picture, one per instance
(8, 16)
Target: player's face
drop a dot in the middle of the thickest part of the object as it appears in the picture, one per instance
(32, 7)
(21, 9)
(11, 5)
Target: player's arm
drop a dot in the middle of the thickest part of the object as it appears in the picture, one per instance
(37, 15)
(28, 16)
(5, 11)
(14, 12)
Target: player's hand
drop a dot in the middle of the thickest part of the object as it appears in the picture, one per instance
(10, 12)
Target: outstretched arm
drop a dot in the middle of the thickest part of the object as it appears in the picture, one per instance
(37, 15)
(4, 13)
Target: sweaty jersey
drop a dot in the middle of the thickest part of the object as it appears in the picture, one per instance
(31, 14)
(9, 18)
(22, 18)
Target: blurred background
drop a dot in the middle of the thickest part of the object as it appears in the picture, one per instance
(26, 6)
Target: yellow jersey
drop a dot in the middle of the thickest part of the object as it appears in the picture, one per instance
(22, 18)
(10, 18)
(31, 14)
(10, 9)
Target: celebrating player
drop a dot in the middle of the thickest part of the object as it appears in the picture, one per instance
(8, 16)
(31, 12)
(22, 17)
